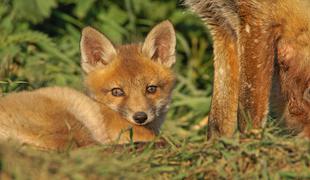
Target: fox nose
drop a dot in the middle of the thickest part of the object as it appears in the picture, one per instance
(140, 117)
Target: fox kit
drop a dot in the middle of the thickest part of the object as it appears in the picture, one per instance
(128, 86)
(262, 50)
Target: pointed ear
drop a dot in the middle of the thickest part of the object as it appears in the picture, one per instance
(159, 44)
(96, 50)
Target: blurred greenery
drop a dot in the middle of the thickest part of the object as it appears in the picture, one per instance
(39, 46)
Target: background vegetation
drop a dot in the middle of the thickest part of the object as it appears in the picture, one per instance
(39, 46)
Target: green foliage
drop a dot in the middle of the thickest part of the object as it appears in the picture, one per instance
(33, 11)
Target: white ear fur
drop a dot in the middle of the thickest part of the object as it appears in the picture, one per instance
(96, 50)
(159, 45)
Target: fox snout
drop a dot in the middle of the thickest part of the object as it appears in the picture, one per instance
(140, 117)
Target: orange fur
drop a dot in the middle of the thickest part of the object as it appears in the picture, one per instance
(55, 117)
(262, 53)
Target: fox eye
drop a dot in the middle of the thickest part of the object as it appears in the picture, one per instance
(151, 89)
(307, 94)
(118, 92)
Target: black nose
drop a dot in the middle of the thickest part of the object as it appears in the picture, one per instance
(140, 117)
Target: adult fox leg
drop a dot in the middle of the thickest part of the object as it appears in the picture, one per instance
(223, 115)
(257, 41)
(222, 19)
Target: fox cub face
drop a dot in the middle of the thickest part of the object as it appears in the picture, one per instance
(133, 80)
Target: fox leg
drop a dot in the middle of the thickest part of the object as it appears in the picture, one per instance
(256, 43)
(223, 27)
(223, 115)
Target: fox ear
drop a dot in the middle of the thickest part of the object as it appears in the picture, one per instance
(159, 44)
(96, 50)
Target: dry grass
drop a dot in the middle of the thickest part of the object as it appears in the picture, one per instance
(259, 156)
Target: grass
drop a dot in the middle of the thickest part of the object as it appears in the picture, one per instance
(260, 156)
(39, 46)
